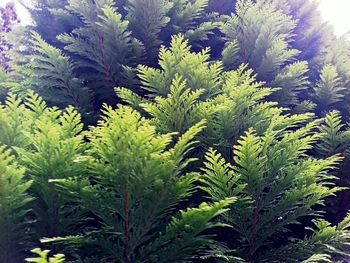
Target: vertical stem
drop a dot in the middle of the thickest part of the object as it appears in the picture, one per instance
(126, 223)
(252, 238)
(109, 77)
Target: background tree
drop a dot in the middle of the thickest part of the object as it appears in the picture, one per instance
(282, 57)
(8, 18)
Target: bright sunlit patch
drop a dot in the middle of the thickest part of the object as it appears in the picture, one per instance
(337, 13)
(22, 12)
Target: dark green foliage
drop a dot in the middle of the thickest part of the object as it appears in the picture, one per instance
(328, 90)
(276, 185)
(103, 46)
(100, 53)
(260, 34)
(53, 72)
(48, 71)
(263, 34)
(292, 81)
(272, 36)
(311, 34)
(335, 139)
(148, 18)
(47, 24)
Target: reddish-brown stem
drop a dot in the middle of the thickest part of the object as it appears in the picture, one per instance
(109, 77)
(252, 238)
(126, 223)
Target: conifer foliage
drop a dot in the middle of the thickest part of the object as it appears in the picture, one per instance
(328, 90)
(130, 199)
(53, 72)
(106, 40)
(13, 208)
(189, 88)
(175, 131)
(277, 185)
(103, 45)
(141, 223)
(44, 258)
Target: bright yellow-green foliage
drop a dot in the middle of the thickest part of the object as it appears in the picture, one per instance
(179, 60)
(138, 179)
(47, 141)
(122, 172)
(188, 88)
(44, 258)
(14, 207)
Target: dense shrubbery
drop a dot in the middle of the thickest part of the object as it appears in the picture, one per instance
(175, 131)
